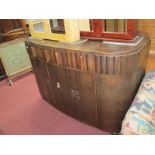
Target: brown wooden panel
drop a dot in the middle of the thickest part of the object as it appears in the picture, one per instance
(75, 93)
(6, 25)
(117, 65)
(73, 60)
(10, 24)
(40, 72)
(53, 58)
(64, 58)
(97, 64)
(87, 97)
(110, 65)
(58, 84)
(90, 62)
(78, 60)
(114, 96)
(83, 61)
(148, 25)
(69, 63)
(33, 52)
(81, 85)
(124, 62)
(47, 55)
(103, 64)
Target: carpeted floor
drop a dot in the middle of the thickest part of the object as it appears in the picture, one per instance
(23, 111)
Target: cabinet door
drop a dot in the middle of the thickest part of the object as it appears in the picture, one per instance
(41, 73)
(59, 85)
(87, 108)
(41, 77)
(115, 94)
(74, 92)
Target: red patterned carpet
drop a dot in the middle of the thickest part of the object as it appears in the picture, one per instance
(23, 111)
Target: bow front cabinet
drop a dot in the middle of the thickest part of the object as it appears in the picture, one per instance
(94, 82)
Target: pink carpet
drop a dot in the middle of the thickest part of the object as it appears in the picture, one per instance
(23, 111)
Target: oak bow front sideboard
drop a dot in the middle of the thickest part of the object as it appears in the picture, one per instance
(94, 82)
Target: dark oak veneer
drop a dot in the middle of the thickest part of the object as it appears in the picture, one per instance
(94, 82)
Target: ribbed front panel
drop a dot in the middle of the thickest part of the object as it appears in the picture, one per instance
(92, 62)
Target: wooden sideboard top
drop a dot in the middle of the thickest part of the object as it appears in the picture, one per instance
(91, 46)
